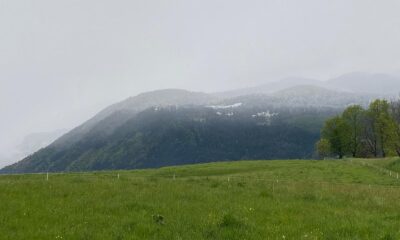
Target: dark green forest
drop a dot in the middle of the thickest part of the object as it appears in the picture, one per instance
(173, 136)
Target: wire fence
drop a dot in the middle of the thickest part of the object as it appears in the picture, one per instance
(390, 173)
(127, 175)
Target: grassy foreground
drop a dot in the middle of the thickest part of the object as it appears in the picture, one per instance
(238, 200)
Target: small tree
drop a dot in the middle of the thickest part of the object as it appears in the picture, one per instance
(336, 132)
(323, 147)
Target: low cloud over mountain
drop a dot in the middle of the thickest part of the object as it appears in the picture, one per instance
(169, 127)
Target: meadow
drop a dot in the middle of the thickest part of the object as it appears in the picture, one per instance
(280, 199)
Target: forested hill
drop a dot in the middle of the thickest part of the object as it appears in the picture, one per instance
(173, 127)
(172, 136)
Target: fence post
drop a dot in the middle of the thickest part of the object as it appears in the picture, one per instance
(47, 176)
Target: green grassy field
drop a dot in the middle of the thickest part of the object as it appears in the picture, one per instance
(237, 200)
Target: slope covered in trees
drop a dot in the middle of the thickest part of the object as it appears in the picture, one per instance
(173, 136)
(172, 127)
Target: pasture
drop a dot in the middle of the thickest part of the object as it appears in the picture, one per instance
(280, 199)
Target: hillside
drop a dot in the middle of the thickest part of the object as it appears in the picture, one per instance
(128, 108)
(236, 200)
(173, 136)
(173, 127)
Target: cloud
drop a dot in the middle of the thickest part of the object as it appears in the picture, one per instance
(61, 61)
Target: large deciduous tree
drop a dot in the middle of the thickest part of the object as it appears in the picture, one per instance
(395, 113)
(380, 128)
(353, 118)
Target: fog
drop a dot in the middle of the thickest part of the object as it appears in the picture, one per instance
(62, 61)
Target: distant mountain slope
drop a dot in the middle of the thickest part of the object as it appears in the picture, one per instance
(35, 141)
(29, 145)
(304, 96)
(381, 84)
(361, 83)
(308, 95)
(271, 87)
(169, 127)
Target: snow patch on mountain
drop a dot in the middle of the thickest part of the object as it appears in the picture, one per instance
(266, 114)
(236, 105)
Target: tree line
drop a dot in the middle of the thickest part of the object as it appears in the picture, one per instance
(360, 132)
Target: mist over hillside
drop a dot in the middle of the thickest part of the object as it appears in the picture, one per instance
(172, 126)
(30, 144)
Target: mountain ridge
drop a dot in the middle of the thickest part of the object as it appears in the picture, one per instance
(378, 84)
(294, 109)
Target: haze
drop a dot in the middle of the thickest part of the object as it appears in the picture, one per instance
(62, 61)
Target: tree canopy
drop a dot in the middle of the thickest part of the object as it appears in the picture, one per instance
(359, 132)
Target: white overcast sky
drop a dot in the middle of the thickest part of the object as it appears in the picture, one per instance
(63, 60)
